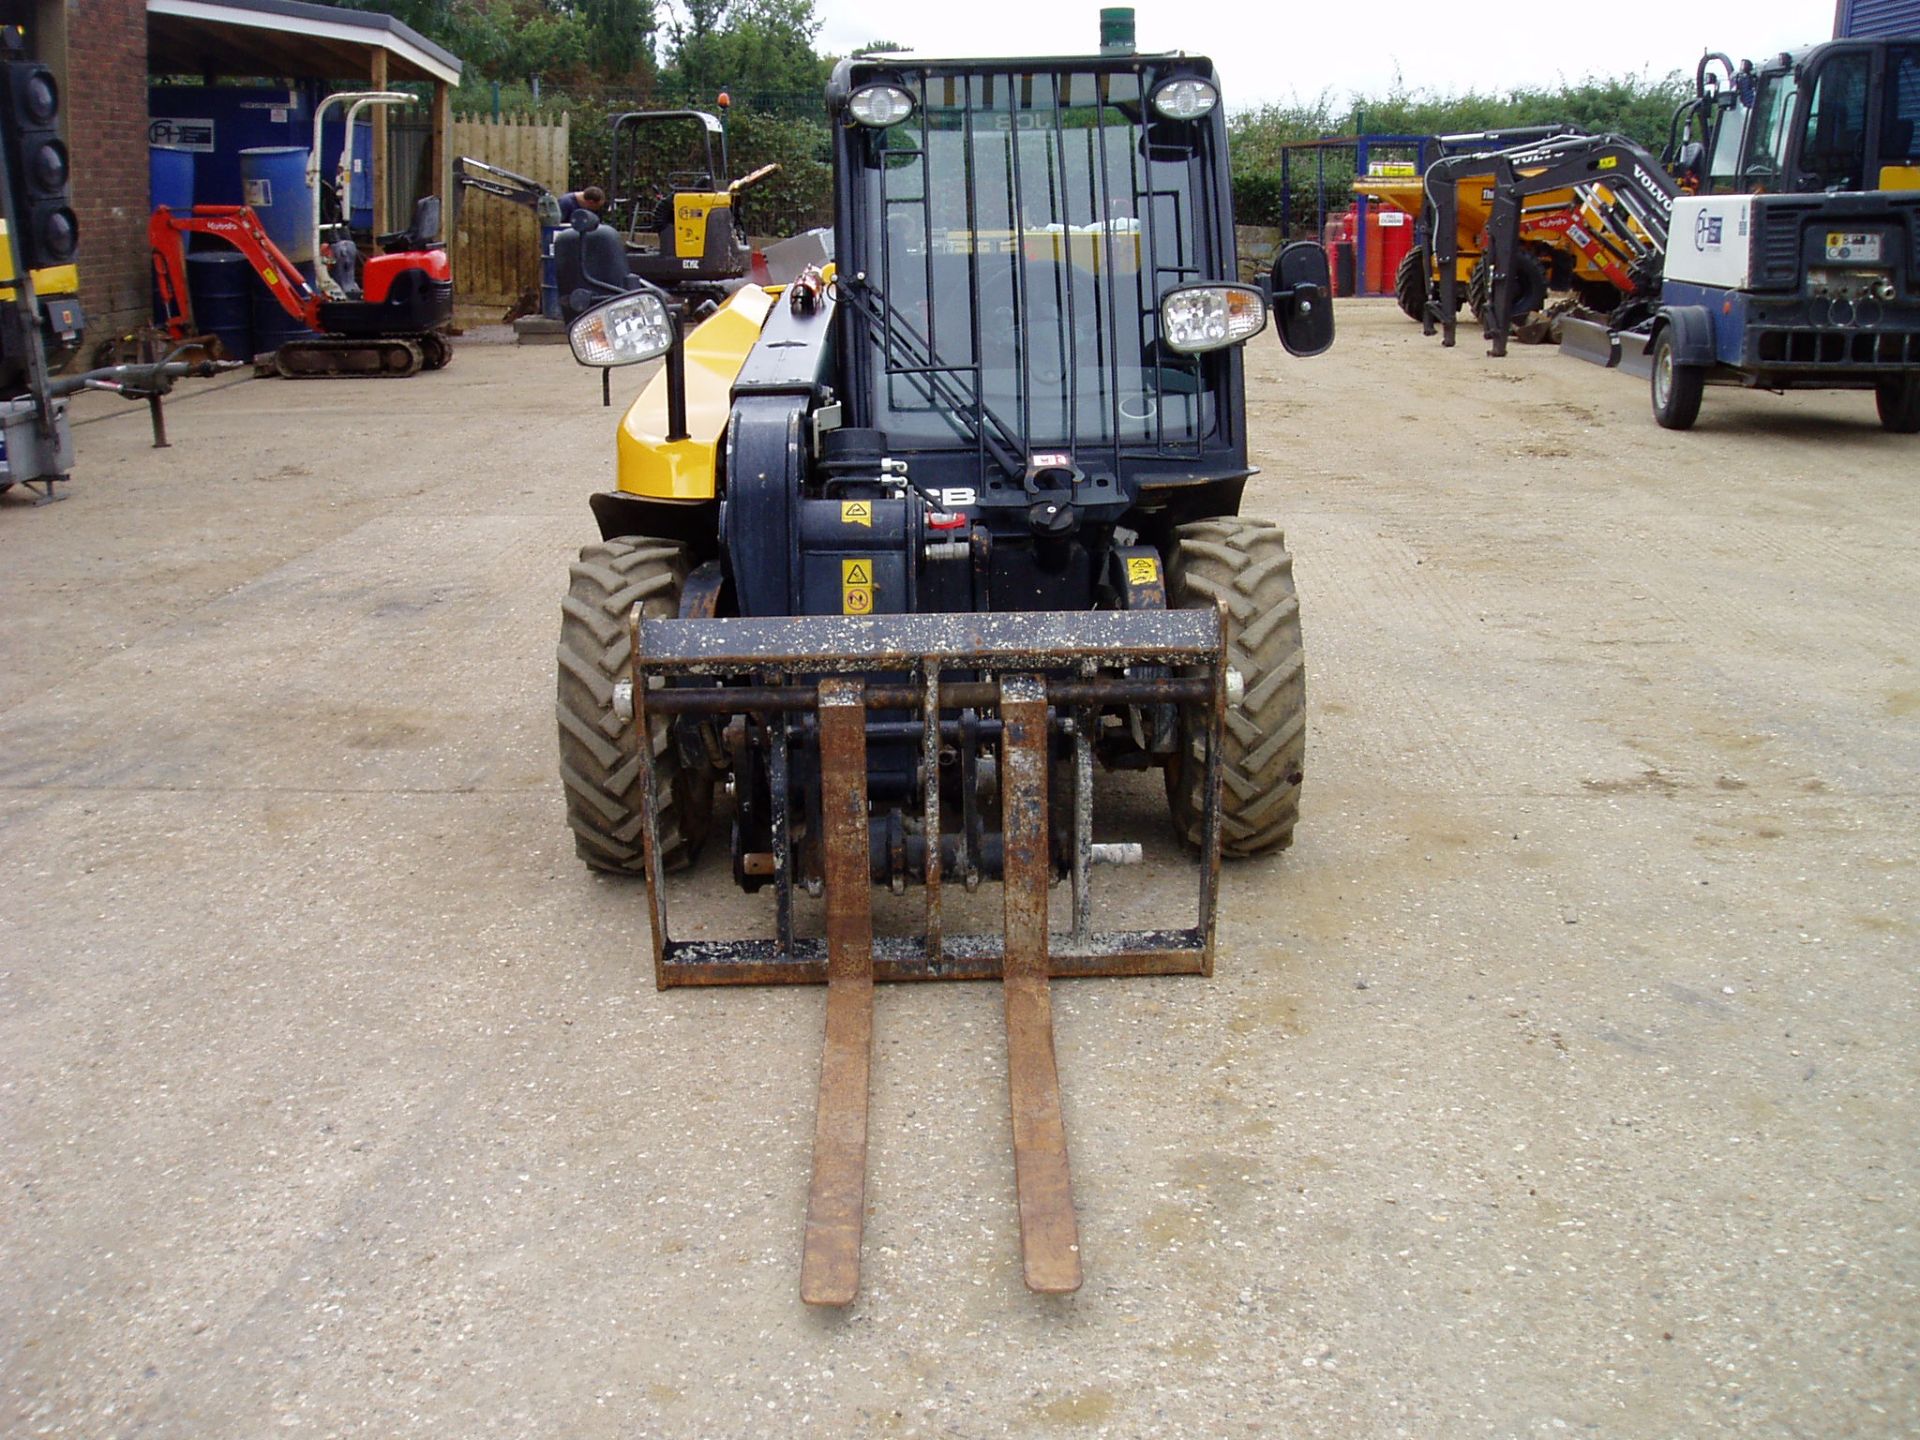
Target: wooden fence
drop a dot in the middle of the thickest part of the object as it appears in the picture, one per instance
(495, 246)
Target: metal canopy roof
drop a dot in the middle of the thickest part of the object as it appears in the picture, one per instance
(286, 37)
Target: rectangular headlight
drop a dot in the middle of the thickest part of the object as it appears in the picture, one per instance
(1194, 318)
(624, 331)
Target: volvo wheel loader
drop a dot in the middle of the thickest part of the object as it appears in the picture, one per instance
(904, 554)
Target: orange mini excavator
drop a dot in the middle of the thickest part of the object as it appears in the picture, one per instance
(392, 320)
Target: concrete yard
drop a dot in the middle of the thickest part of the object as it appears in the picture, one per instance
(1560, 1081)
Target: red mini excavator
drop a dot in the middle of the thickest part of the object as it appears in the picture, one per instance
(392, 320)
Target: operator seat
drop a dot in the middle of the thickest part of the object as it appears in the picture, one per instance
(590, 264)
(423, 234)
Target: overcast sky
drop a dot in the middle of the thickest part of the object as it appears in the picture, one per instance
(1287, 51)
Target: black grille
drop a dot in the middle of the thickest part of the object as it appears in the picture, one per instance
(1776, 243)
(1852, 349)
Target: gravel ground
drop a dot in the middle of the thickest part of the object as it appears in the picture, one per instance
(1560, 1080)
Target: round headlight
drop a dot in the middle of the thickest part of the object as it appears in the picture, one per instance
(1185, 98)
(880, 105)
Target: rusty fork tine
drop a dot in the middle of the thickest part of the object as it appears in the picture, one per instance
(1049, 1234)
(830, 1264)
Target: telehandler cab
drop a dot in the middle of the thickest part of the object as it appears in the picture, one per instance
(900, 553)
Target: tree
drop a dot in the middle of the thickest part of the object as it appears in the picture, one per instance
(756, 46)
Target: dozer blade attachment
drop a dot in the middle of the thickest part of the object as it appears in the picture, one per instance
(1590, 341)
(814, 687)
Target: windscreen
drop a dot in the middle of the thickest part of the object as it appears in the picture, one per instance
(1021, 229)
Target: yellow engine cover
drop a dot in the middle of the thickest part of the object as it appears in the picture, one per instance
(647, 462)
(693, 212)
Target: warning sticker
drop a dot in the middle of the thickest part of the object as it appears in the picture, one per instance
(856, 587)
(856, 512)
(1143, 570)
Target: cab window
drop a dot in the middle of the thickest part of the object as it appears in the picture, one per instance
(1833, 139)
(1768, 130)
(1900, 116)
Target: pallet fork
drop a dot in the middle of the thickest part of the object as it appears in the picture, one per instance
(1034, 678)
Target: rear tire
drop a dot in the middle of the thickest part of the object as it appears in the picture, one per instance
(1676, 389)
(1245, 563)
(1897, 397)
(1528, 295)
(600, 752)
(1410, 283)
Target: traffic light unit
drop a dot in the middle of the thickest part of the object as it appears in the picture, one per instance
(48, 232)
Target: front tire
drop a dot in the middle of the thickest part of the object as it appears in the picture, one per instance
(1897, 397)
(1245, 563)
(600, 752)
(1676, 388)
(1410, 283)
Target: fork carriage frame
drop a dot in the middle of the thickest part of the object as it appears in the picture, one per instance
(1043, 673)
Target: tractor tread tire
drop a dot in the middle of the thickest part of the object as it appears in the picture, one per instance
(1410, 283)
(1530, 295)
(1245, 563)
(599, 752)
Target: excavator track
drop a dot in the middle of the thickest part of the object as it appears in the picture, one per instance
(337, 357)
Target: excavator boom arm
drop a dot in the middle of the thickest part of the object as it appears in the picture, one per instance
(241, 228)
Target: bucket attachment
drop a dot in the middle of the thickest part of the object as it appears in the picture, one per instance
(822, 690)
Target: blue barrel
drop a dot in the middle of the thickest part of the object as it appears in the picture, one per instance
(360, 183)
(549, 277)
(218, 283)
(272, 325)
(273, 184)
(169, 177)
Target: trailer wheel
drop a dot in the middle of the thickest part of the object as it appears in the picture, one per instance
(1410, 283)
(1898, 399)
(1245, 563)
(600, 752)
(1676, 388)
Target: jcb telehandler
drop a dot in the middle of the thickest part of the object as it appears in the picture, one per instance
(898, 553)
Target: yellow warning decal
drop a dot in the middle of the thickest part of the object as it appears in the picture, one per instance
(1143, 570)
(856, 585)
(271, 276)
(856, 512)
(1607, 162)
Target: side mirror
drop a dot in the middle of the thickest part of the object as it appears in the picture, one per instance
(1302, 292)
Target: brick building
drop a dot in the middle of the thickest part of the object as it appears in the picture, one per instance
(102, 52)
